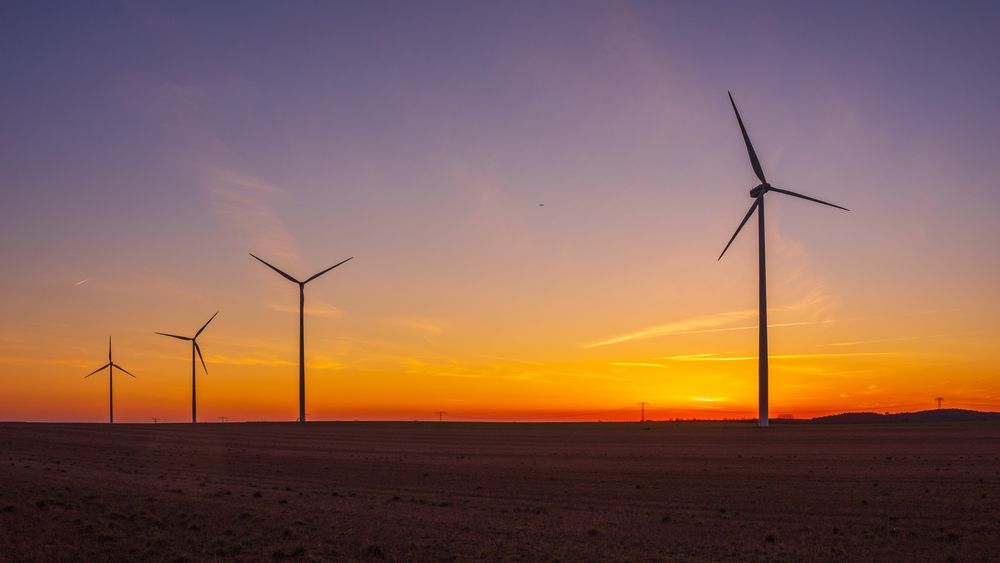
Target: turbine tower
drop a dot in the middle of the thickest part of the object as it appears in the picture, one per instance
(194, 349)
(757, 193)
(302, 323)
(110, 366)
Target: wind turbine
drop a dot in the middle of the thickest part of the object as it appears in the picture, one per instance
(757, 193)
(194, 348)
(111, 365)
(302, 324)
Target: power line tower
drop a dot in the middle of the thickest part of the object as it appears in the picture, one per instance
(222, 418)
(156, 420)
(642, 415)
(939, 400)
(440, 415)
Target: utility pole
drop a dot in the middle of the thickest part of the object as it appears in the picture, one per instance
(440, 415)
(156, 420)
(222, 418)
(939, 399)
(642, 416)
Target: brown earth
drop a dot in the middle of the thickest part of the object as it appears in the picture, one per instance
(500, 492)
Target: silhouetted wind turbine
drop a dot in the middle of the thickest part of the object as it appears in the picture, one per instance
(757, 193)
(194, 348)
(110, 366)
(302, 323)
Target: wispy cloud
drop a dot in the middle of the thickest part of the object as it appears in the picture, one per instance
(637, 364)
(705, 358)
(676, 329)
(27, 361)
(321, 310)
(247, 361)
(686, 326)
(721, 358)
(320, 364)
(242, 200)
(244, 204)
(81, 282)
(425, 325)
(886, 340)
(563, 371)
(504, 368)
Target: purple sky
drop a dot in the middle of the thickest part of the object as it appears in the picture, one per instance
(147, 147)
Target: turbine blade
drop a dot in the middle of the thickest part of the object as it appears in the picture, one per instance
(198, 349)
(102, 368)
(109, 349)
(123, 369)
(173, 336)
(327, 270)
(205, 325)
(288, 277)
(793, 194)
(746, 139)
(753, 207)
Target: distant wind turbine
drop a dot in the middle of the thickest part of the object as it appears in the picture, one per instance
(302, 323)
(757, 193)
(110, 366)
(194, 348)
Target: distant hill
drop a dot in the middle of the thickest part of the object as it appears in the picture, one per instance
(936, 415)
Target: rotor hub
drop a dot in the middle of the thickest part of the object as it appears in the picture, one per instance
(758, 190)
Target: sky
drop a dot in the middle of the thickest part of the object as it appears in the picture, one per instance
(535, 195)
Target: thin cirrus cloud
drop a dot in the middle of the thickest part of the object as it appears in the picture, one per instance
(427, 326)
(242, 200)
(812, 302)
(244, 205)
(637, 364)
(327, 311)
(720, 358)
(249, 361)
(674, 329)
(705, 323)
(886, 340)
(27, 361)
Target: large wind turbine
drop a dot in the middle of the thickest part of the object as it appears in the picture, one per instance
(110, 366)
(194, 348)
(302, 323)
(757, 193)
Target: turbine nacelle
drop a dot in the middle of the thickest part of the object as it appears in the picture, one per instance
(759, 190)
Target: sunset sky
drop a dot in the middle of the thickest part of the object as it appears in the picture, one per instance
(147, 148)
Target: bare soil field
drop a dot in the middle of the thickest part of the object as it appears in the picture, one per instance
(500, 492)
